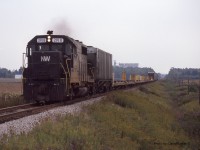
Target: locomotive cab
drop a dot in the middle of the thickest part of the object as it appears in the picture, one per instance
(45, 76)
(57, 69)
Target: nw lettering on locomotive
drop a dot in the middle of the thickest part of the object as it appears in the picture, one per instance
(45, 58)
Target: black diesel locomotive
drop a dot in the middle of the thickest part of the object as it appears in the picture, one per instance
(59, 67)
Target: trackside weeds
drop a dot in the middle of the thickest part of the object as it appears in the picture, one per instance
(146, 118)
(10, 99)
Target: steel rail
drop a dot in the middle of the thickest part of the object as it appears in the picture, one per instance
(13, 108)
(19, 113)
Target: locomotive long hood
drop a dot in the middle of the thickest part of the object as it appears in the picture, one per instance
(46, 65)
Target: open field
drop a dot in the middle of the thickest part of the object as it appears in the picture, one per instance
(156, 116)
(9, 85)
(9, 80)
(15, 87)
(10, 92)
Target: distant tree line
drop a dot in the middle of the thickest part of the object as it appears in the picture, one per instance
(183, 74)
(6, 73)
(129, 70)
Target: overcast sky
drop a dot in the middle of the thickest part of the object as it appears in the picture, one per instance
(154, 33)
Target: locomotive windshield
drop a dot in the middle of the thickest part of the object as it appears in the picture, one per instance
(57, 47)
(50, 43)
(43, 47)
(47, 47)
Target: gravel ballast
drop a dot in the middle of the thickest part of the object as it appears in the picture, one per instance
(26, 124)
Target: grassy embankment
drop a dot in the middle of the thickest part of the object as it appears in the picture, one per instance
(148, 118)
(187, 110)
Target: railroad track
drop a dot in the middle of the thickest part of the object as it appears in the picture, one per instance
(13, 108)
(16, 112)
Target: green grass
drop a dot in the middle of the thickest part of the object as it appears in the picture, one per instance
(141, 119)
(10, 99)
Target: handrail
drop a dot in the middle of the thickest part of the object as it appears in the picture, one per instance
(66, 72)
(65, 75)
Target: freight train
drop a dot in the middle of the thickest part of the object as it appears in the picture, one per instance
(59, 68)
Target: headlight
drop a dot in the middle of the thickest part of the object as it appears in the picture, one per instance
(48, 38)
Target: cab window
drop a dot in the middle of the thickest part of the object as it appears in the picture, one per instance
(43, 47)
(68, 49)
(56, 47)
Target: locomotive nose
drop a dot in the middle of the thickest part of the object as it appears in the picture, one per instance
(46, 64)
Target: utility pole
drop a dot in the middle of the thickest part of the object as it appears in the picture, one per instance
(199, 87)
(188, 85)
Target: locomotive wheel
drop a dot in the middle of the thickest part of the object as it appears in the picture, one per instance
(93, 90)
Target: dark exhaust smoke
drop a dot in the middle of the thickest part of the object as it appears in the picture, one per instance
(60, 27)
